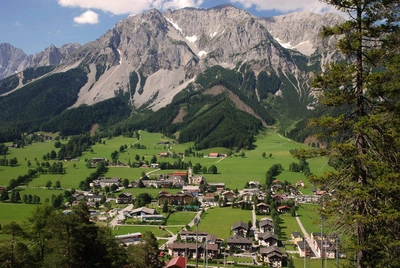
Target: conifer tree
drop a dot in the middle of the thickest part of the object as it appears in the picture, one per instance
(363, 94)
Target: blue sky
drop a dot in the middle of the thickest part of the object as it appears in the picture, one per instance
(33, 25)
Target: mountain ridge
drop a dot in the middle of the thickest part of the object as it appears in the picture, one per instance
(151, 60)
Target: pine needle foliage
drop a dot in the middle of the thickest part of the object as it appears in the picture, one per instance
(362, 199)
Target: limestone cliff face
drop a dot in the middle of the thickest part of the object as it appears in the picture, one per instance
(14, 60)
(153, 56)
(300, 31)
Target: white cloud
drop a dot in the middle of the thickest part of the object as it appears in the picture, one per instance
(17, 23)
(129, 6)
(88, 17)
(287, 5)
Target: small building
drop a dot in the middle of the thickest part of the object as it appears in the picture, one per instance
(213, 155)
(296, 237)
(177, 262)
(267, 239)
(139, 212)
(175, 199)
(124, 198)
(109, 182)
(240, 242)
(263, 208)
(272, 255)
(191, 236)
(129, 238)
(194, 189)
(266, 225)
(240, 228)
(283, 209)
(228, 195)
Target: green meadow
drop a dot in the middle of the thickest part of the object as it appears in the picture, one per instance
(219, 220)
(235, 171)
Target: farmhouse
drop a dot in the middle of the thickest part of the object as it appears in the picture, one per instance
(213, 155)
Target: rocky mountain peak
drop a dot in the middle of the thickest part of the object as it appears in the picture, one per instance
(299, 30)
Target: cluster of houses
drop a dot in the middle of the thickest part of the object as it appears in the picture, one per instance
(208, 246)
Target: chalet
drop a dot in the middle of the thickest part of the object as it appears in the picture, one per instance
(272, 255)
(296, 237)
(163, 142)
(240, 242)
(240, 228)
(283, 209)
(267, 239)
(263, 208)
(304, 249)
(266, 225)
(299, 183)
(154, 165)
(228, 195)
(177, 262)
(175, 199)
(124, 198)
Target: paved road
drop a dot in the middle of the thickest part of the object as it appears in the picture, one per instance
(306, 236)
(120, 214)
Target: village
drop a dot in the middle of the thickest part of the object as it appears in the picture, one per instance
(249, 238)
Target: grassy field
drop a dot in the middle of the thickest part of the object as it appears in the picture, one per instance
(235, 171)
(309, 217)
(181, 218)
(218, 220)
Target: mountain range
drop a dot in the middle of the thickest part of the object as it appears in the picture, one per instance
(213, 76)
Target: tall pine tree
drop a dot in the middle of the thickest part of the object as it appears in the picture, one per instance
(363, 92)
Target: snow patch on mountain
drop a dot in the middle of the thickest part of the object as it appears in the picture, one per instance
(191, 39)
(175, 25)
